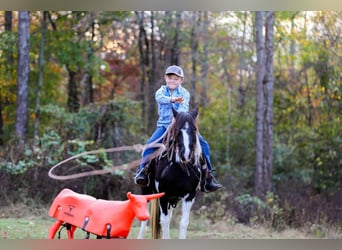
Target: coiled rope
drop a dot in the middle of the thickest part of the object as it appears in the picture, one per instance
(136, 147)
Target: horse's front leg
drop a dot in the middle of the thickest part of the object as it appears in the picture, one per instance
(165, 219)
(142, 229)
(143, 225)
(184, 222)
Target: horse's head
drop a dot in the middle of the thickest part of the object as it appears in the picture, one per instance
(184, 134)
(139, 204)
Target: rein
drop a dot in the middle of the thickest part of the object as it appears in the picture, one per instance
(136, 147)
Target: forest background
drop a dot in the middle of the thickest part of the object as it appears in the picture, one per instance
(267, 84)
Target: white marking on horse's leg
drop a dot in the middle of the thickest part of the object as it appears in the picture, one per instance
(184, 222)
(165, 223)
(143, 225)
(156, 184)
(142, 229)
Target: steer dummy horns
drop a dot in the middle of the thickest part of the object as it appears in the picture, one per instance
(147, 197)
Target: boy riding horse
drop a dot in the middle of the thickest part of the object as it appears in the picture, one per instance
(167, 96)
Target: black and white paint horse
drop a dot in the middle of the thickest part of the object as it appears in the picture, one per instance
(178, 173)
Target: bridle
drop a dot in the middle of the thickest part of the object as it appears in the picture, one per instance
(171, 150)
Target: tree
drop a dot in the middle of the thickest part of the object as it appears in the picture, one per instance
(204, 58)
(264, 103)
(152, 76)
(268, 83)
(259, 108)
(144, 47)
(21, 126)
(8, 27)
(194, 44)
(41, 71)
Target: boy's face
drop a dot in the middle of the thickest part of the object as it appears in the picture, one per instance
(173, 81)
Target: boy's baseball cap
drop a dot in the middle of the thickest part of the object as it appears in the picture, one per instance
(174, 69)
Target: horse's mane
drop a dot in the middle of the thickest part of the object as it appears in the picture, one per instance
(169, 139)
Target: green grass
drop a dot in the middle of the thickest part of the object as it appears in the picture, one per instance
(37, 228)
(33, 223)
(24, 228)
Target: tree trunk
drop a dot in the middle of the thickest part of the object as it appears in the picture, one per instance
(260, 73)
(242, 63)
(8, 20)
(87, 86)
(40, 76)
(143, 45)
(205, 58)
(292, 52)
(194, 59)
(152, 81)
(309, 116)
(175, 47)
(228, 86)
(268, 100)
(8, 27)
(73, 102)
(21, 126)
(264, 104)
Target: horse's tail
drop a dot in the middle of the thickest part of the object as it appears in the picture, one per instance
(155, 217)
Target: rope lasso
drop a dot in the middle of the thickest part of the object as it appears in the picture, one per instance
(136, 147)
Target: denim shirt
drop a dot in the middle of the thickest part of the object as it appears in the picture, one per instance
(163, 97)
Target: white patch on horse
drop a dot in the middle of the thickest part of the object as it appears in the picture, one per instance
(156, 183)
(186, 142)
(165, 223)
(142, 229)
(184, 222)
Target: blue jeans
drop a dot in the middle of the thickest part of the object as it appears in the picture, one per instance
(159, 132)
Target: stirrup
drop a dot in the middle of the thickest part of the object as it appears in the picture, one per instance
(210, 182)
(214, 187)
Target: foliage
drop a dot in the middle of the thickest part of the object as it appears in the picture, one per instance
(234, 155)
(48, 152)
(96, 122)
(78, 147)
(250, 207)
(62, 137)
(277, 216)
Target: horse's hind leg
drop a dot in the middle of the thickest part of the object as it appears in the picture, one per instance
(184, 222)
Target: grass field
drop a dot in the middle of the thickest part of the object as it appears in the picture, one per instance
(33, 223)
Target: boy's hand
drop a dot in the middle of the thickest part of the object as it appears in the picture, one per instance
(179, 99)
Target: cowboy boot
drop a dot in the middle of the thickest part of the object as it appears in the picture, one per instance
(210, 183)
(141, 178)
